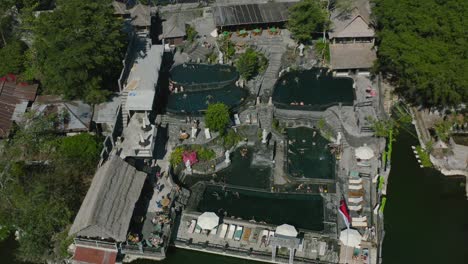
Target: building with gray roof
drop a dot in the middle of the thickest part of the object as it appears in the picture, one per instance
(108, 206)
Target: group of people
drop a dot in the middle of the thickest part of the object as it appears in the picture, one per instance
(297, 103)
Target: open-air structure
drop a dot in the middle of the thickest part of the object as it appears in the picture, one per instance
(104, 216)
(352, 39)
(231, 17)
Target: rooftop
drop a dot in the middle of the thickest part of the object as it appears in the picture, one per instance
(133, 135)
(108, 206)
(352, 56)
(174, 26)
(246, 14)
(144, 74)
(78, 113)
(141, 15)
(14, 99)
(355, 23)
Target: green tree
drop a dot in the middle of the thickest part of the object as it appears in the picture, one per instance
(6, 20)
(251, 63)
(13, 58)
(191, 33)
(227, 47)
(77, 49)
(307, 17)
(217, 117)
(43, 180)
(443, 130)
(422, 47)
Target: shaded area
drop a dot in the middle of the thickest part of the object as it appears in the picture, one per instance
(196, 76)
(302, 211)
(425, 213)
(315, 89)
(196, 102)
(309, 156)
(241, 172)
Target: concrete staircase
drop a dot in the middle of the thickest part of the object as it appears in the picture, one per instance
(273, 48)
(199, 53)
(125, 113)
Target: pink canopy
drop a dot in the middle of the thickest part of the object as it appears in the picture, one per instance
(190, 156)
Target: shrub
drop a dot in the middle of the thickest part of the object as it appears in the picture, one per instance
(217, 117)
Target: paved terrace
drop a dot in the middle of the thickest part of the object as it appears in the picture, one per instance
(314, 247)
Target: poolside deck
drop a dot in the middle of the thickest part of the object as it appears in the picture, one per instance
(313, 245)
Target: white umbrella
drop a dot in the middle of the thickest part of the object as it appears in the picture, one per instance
(286, 230)
(350, 238)
(364, 153)
(214, 33)
(208, 220)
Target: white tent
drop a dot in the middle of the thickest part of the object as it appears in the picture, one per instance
(350, 238)
(208, 220)
(286, 230)
(364, 153)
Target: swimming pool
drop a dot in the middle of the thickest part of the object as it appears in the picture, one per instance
(193, 76)
(313, 89)
(301, 210)
(309, 155)
(197, 102)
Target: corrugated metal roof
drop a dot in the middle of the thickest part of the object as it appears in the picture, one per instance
(86, 255)
(244, 14)
(14, 99)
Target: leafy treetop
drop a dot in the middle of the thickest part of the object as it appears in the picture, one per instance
(217, 117)
(307, 17)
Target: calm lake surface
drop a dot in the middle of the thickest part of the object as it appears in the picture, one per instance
(425, 218)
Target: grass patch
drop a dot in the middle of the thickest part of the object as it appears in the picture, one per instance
(424, 157)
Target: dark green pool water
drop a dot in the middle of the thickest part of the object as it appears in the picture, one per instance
(196, 75)
(302, 211)
(317, 90)
(240, 172)
(308, 155)
(196, 102)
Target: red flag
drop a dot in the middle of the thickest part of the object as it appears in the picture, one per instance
(344, 212)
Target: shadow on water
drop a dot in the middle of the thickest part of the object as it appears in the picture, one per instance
(425, 214)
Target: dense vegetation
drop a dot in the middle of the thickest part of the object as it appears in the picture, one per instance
(250, 63)
(423, 46)
(76, 48)
(43, 179)
(217, 117)
(307, 17)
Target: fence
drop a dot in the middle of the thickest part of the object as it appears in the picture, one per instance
(241, 252)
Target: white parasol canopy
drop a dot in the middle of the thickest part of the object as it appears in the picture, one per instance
(208, 220)
(214, 33)
(286, 230)
(350, 238)
(364, 153)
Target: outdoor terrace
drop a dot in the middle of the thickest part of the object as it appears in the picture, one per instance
(312, 246)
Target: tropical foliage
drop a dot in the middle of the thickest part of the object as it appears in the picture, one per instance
(217, 117)
(307, 17)
(251, 63)
(43, 180)
(423, 46)
(77, 49)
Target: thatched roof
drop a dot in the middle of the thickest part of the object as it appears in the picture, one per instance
(352, 56)
(108, 206)
(141, 15)
(174, 27)
(355, 23)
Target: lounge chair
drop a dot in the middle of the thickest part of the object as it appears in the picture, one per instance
(224, 229)
(213, 231)
(355, 207)
(191, 228)
(359, 223)
(198, 229)
(355, 200)
(238, 233)
(232, 229)
(354, 181)
(246, 234)
(355, 187)
(359, 219)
